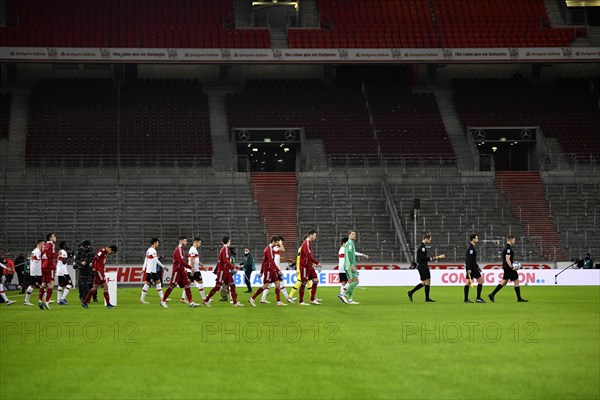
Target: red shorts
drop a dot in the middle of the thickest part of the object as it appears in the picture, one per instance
(179, 277)
(270, 277)
(48, 275)
(224, 277)
(308, 273)
(99, 278)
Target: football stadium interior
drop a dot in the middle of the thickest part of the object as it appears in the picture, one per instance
(123, 120)
(116, 151)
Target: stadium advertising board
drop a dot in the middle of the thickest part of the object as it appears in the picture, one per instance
(126, 275)
(154, 55)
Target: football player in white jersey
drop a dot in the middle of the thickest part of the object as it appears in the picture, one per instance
(150, 271)
(64, 279)
(194, 261)
(277, 249)
(35, 270)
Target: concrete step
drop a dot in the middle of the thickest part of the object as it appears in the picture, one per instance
(464, 150)
(223, 151)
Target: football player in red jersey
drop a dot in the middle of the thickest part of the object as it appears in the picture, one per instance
(224, 274)
(99, 278)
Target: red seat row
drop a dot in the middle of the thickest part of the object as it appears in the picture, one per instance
(567, 110)
(149, 120)
(126, 23)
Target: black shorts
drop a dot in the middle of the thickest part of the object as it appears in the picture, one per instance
(35, 280)
(343, 277)
(152, 277)
(64, 280)
(473, 274)
(197, 276)
(424, 273)
(510, 275)
(190, 276)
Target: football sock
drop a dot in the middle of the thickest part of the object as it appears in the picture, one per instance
(88, 296)
(419, 286)
(264, 294)
(313, 291)
(496, 290)
(350, 290)
(28, 294)
(200, 287)
(466, 289)
(106, 297)
(518, 292)
(284, 291)
(259, 291)
(144, 291)
(302, 288)
(294, 289)
(188, 293)
(48, 295)
(159, 290)
(212, 292)
(167, 293)
(66, 291)
(59, 293)
(233, 294)
(427, 292)
(278, 294)
(479, 288)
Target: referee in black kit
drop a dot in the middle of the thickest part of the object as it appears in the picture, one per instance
(472, 269)
(510, 274)
(423, 268)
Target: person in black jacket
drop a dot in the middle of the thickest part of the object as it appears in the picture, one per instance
(423, 268)
(472, 269)
(248, 265)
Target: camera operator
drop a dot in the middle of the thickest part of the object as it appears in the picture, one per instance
(82, 262)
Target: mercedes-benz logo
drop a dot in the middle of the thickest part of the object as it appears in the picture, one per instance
(526, 134)
(478, 134)
(244, 135)
(290, 135)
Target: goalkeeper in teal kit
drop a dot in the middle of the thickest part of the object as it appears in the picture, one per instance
(350, 267)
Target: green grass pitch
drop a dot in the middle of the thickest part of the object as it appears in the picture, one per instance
(385, 347)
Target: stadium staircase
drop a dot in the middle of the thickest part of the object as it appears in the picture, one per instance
(555, 17)
(276, 194)
(557, 156)
(464, 151)
(526, 196)
(316, 160)
(223, 152)
(279, 39)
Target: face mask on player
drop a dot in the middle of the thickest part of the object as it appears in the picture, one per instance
(276, 248)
